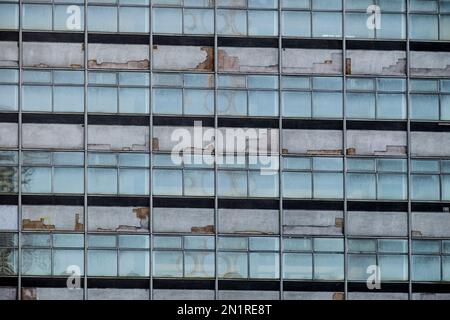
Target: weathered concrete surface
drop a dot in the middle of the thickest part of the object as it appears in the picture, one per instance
(9, 54)
(435, 64)
(377, 296)
(431, 224)
(248, 59)
(430, 144)
(163, 294)
(8, 218)
(314, 61)
(65, 218)
(53, 55)
(118, 219)
(307, 222)
(373, 62)
(8, 293)
(312, 142)
(431, 296)
(118, 138)
(383, 224)
(53, 136)
(8, 135)
(187, 58)
(51, 294)
(118, 56)
(248, 295)
(376, 142)
(249, 221)
(165, 138)
(118, 294)
(183, 220)
(305, 295)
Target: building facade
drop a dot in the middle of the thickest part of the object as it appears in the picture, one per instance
(341, 189)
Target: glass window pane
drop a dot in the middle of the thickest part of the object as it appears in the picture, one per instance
(134, 181)
(68, 17)
(63, 259)
(263, 103)
(425, 107)
(199, 182)
(198, 21)
(297, 266)
(167, 182)
(328, 185)
(133, 19)
(9, 16)
(327, 105)
(361, 186)
(362, 245)
(102, 100)
(393, 26)
(393, 246)
(199, 102)
(426, 246)
(102, 181)
(233, 243)
(297, 185)
(425, 187)
(167, 242)
(167, 20)
(296, 24)
(391, 106)
(361, 105)
(68, 180)
(445, 187)
(134, 100)
(68, 99)
(9, 100)
(445, 107)
(262, 23)
(328, 245)
(232, 265)
(264, 265)
(327, 24)
(36, 262)
(101, 241)
(9, 262)
(297, 244)
(264, 243)
(296, 104)
(36, 180)
(102, 263)
(37, 17)
(199, 264)
(263, 185)
(232, 184)
(426, 268)
(167, 264)
(168, 101)
(329, 266)
(393, 267)
(424, 27)
(37, 98)
(392, 186)
(358, 265)
(102, 19)
(232, 102)
(356, 26)
(68, 240)
(134, 264)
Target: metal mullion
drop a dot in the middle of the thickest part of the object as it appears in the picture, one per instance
(85, 196)
(19, 168)
(280, 151)
(216, 155)
(344, 146)
(408, 133)
(151, 251)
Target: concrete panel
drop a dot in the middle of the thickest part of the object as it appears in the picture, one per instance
(53, 136)
(430, 64)
(169, 294)
(313, 61)
(377, 296)
(9, 54)
(118, 138)
(431, 224)
(299, 295)
(183, 220)
(373, 62)
(51, 294)
(118, 219)
(431, 296)
(383, 224)
(187, 58)
(312, 142)
(430, 144)
(118, 56)
(167, 137)
(376, 142)
(53, 55)
(8, 218)
(248, 59)
(306, 222)
(257, 140)
(249, 221)
(8, 136)
(66, 218)
(118, 294)
(8, 293)
(248, 295)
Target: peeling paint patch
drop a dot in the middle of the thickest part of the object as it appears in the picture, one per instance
(306, 222)
(183, 58)
(67, 218)
(187, 220)
(376, 142)
(312, 142)
(109, 219)
(248, 59)
(312, 61)
(117, 56)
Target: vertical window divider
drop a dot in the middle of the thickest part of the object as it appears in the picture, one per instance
(85, 196)
(280, 151)
(151, 256)
(19, 156)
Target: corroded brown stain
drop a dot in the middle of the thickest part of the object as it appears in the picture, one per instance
(37, 225)
(205, 229)
(208, 63)
(227, 62)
